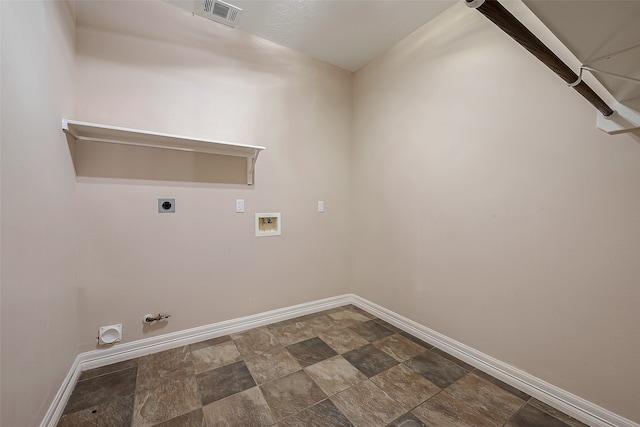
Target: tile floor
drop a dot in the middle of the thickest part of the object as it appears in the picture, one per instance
(340, 367)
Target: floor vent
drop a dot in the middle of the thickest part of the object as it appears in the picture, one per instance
(218, 11)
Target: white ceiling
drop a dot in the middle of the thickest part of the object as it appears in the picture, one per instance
(345, 33)
(350, 33)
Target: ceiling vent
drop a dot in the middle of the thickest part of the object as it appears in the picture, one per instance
(218, 11)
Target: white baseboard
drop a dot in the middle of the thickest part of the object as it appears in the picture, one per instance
(556, 397)
(562, 400)
(118, 353)
(54, 413)
(131, 350)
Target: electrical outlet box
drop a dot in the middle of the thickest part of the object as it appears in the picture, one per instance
(166, 205)
(268, 224)
(239, 205)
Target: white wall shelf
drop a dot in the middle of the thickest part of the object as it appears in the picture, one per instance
(91, 132)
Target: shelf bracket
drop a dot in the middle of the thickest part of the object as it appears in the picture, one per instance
(625, 119)
(251, 167)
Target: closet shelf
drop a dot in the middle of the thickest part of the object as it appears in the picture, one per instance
(92, 132)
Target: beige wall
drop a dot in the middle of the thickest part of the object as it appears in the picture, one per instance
(480, 210)
(39, 246)
(489, 208)
(203, 263)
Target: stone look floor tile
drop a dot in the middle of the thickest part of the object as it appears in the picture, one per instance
(355, 309)
(436, 369)
(407, 420)
(210, 342)
(333, 310)
(322, 414)
(369, 360)
(190, 419)
(453, 359)
(387, 325)
(334, 375)
(270, 366)
(311, 351)
(371, 331)
(446, 410)
(224, 381)
(490, 400)
(254, 333)
(215, 356)
(287, 322)
(348, 318)
(116, 413)
(555, 413)
(373, 372)
(109, 369)
(282, 325)
(288, 395)
(405, 386)
(365, 405)
(246, 409)
(292, 333)
(530, 416)
(256, 342)
(306, 317)
(157, 368)
(416, 340)
(321, 324)
(399, 347)
(517, 393)
(343, 340)
(102, 389)
(168, 400)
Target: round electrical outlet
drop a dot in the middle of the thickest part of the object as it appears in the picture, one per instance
(166, 205)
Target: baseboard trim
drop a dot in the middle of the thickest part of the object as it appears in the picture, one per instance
(562, 400)
(54, 413)
(556, 397)
(126, 351)
(97, 358)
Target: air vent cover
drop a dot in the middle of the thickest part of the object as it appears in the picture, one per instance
(218, 11)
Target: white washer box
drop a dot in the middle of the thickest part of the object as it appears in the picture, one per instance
(268, 224)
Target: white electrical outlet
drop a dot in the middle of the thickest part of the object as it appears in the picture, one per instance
(239, 205)
(320, 206)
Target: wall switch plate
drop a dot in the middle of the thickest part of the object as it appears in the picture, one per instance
(166, 205)
(239, 205)
(320, 206)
